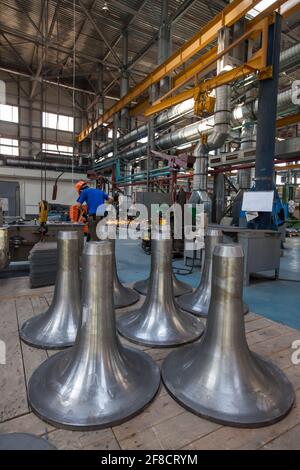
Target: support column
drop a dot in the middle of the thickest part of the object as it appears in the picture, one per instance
(164, 44)
(100, 89)
(266, 122)
(124, 87)
(155, 91)
(218, 198)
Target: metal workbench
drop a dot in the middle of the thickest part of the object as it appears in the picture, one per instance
(262, 248)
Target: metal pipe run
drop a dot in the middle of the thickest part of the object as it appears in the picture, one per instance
(288, 59)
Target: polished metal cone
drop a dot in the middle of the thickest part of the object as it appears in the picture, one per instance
(23, 441)
(159, 322)
(219, 378)
(198, 301)
(57, 327)
(98, 382)
(179, 287)
(123, 296)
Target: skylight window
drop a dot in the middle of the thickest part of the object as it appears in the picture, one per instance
(9, 113)
(9, 147)
(59, 149)
(260, 7)
(58, 121)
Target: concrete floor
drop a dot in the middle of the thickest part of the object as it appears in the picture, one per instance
(265, 296)
(164, 424)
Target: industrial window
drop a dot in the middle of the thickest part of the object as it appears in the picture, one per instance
(259, 8)
(59, 149)
(9, 147)
(110, 134)
(58, 121)
(9, 113)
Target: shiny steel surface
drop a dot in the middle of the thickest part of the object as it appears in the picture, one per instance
(123, 296)
(179, 287)
(23, 441)
(57, 327)
(198, 302)
(159, 322)
(219, 378)
(98, 382)
(4, 248)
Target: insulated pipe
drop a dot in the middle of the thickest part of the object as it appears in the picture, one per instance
(288, 58)
(170, 116)
(193, 132)
(222, 116)
(34, 164)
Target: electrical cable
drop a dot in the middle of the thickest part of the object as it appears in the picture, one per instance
(186, 271)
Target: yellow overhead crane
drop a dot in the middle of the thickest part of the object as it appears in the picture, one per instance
(230, 15)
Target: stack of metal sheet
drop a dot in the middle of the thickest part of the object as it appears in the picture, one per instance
(43, 262)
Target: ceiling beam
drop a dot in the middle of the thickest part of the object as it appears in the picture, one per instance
(15, 52)
(102, 36)
(129, 22)
(39, 71)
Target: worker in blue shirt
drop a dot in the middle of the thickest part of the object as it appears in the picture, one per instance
(94, 199)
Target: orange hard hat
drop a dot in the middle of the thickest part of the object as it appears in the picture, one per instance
(80, 185)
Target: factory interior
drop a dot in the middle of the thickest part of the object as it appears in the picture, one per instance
(150, 226)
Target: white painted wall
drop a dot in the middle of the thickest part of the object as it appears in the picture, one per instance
(30, 187)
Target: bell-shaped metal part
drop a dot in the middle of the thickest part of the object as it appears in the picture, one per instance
(220, 378)
(98, 382)
(198, 301)
(179, 287)
(123, 296)
(57, 327)
(159, 322)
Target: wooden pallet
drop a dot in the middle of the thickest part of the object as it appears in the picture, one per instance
(164, 424)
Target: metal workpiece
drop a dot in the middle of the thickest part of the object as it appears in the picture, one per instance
(57, 327)
(98, 382)
(220, 378)
(123, 296)
(179, 287)
(4, 247)
(160, 322)
(198, 301)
